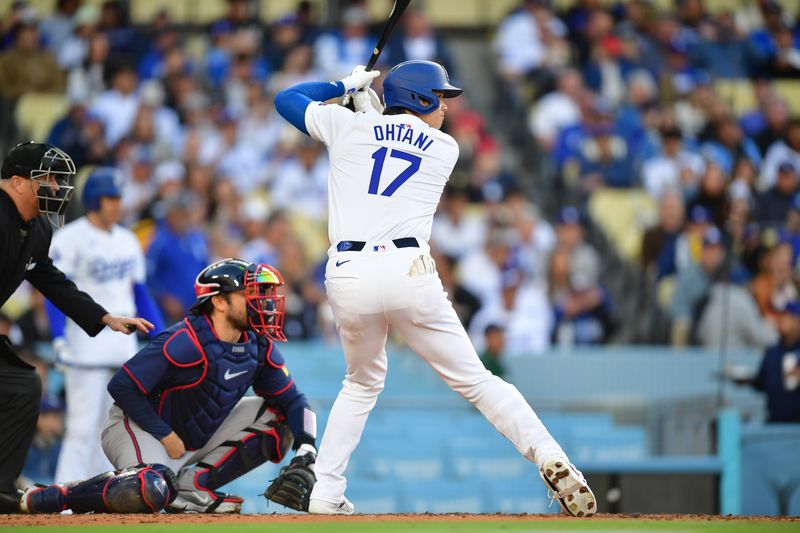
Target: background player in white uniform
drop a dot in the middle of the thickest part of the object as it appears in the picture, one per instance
(106, 261)
(387, 173)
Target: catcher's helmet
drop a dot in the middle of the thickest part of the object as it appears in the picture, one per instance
(409, 81)
(48, 166)
(259, 283)
(102, 182)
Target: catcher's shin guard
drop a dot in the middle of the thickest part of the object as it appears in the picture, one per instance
(255, 446)
(144, 489)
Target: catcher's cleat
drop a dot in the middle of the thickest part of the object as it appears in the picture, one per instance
(43, 499)
(209, 502)
(323, 507)
(568, 487)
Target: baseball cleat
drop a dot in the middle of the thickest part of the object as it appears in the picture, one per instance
(193, 502)
(43, 499)
(568, 487)
(323, 507)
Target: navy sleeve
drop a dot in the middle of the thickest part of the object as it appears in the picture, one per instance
(137, 378)
(276, 386)
(147, 308)
(129, 397)
(291, 103)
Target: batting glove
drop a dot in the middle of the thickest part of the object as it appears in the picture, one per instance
(366, 100)
(358, 79)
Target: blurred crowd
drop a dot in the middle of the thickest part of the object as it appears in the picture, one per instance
(622, 95)
(691, 106)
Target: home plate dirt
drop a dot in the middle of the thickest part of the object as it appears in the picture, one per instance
(123, 519)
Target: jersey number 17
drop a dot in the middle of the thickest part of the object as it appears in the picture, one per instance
(377, 168)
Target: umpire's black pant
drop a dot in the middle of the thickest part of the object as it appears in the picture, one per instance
(20, 399)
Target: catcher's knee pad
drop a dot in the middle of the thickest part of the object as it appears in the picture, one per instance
(143, 489)
(233, 459)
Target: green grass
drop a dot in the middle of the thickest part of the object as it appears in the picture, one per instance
(599, 526)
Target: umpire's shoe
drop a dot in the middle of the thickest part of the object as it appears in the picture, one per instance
(9, 502)
(568, 487)
(323, 507)
(211, 502)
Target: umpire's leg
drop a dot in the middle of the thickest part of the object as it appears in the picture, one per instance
(20, 398)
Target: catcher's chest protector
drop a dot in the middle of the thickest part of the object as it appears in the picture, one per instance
(211, 376)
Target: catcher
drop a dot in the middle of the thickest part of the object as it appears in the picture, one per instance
(181, 427)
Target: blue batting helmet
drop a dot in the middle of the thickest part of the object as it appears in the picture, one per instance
(410, 81)
(103, 181)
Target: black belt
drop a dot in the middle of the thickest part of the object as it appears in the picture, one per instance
(357, 246)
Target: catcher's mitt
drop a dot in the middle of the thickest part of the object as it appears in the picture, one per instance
(292, 487)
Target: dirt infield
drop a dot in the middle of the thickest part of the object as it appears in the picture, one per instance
(132, 519)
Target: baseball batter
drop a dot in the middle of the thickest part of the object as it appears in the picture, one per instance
(106, 261)
(181, 426)
(387, 172)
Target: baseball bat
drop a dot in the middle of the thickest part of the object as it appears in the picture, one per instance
(394, 16)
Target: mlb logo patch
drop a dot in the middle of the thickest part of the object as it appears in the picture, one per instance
(379, 248)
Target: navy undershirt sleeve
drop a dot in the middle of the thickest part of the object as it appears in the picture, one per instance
(129, 397)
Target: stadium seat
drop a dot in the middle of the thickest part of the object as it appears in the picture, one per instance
(446, 496)
(375, 496)
(143, 13)
(272, 10)
(521, 494)
(311, 233)
(789, 90)
(468, 13)
(36, 113)
(479, 458)
(664, 291)
(614, 444)
(624, 215)
(416, 460)
(738, 93)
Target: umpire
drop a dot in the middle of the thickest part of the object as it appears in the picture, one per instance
(35, 188)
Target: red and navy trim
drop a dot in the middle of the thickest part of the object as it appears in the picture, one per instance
(136, 448)
(203, 361)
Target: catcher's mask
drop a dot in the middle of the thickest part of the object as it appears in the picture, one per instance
(51, 168)
(264, 304)
(259, 283)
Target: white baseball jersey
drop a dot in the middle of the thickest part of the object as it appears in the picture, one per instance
(406, 162)
(105, 265)
(386, 176)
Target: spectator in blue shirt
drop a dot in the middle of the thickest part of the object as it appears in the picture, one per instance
(178, 252)
(729, 144)
(606, 161)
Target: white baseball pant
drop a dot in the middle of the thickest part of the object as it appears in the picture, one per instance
(88, 402)
(368, 291)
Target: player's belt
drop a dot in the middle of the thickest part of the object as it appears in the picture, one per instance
(357, 246)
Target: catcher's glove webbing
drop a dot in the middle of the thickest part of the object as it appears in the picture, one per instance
(292, 487)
